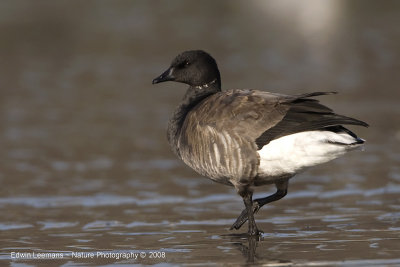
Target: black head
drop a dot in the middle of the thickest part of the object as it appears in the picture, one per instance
(195, 68)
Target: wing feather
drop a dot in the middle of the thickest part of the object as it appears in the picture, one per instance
(305, 114)
(250, 119)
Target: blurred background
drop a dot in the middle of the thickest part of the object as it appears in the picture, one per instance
(82, 131)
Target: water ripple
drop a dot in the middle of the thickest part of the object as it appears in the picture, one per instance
(13, 226)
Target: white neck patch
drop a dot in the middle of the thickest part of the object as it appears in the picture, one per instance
(206, 85)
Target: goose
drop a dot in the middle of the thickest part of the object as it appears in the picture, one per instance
(247, 138)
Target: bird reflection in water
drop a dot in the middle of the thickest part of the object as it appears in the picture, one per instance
(247, 245)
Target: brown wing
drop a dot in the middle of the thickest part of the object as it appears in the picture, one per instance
(218, 135)
(229, 127)
(248, 113)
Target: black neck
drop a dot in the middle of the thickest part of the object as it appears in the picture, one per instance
(194, 95)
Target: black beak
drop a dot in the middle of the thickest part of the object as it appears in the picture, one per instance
(165, 76)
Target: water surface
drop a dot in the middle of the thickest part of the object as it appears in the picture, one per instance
(85, 167)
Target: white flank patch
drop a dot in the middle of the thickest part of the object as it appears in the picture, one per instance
(292, 153)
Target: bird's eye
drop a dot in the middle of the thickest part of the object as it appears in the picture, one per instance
(183, 64)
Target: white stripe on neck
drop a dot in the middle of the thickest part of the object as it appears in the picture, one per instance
(205, 85)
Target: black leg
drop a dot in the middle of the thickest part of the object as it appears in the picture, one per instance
(258, 203)
(247, 199)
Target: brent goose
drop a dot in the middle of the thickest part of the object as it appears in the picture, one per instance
(247, 138)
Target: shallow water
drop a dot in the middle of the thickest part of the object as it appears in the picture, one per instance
(86, 172)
